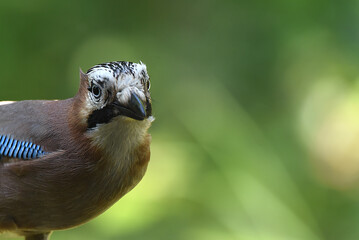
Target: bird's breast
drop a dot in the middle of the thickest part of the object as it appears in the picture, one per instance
(65, 189)
(125, 152)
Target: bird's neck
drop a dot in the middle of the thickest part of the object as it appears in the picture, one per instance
(120, 149)
(119, 141)
(119, 136)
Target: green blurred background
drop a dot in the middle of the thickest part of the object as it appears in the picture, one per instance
(256, 104)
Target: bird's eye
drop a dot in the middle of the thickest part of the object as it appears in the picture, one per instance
(96, 91)
(148, 85)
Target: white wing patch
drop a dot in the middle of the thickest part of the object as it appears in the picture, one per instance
(6, 102)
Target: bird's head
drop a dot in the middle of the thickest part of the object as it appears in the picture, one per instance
(115, 89)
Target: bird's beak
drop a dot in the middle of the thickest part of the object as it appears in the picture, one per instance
(135, 108)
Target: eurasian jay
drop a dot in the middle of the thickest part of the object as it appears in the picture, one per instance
(64, 162)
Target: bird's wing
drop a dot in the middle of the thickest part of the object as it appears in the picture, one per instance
(29, 129)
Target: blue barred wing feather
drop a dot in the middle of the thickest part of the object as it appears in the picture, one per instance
(12, 148)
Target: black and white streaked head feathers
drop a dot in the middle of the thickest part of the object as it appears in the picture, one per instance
(117, 89)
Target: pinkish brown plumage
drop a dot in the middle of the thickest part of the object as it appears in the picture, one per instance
(96, 149)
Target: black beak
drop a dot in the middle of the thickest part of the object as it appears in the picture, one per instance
(135, 108)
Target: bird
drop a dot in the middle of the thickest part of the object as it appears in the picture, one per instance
(64, 162)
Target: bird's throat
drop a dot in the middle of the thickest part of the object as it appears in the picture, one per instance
(118, 140)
